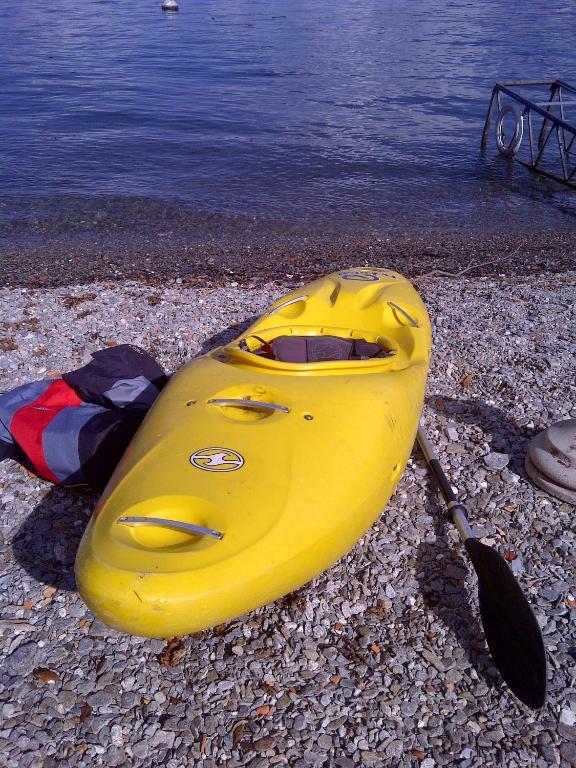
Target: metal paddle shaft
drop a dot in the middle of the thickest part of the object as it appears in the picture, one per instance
(456, 508)
(511, 629)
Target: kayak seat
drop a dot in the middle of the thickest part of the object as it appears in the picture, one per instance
(316, 349)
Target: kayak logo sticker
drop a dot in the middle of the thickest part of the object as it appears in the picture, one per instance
(367, 277)
(217, 459)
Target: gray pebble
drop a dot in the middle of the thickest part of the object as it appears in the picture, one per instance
(141, 750)
(324, 741)
(568, 752)
(496, 461)
(100, 699)
(299, 723)
(344, 762)
(517, 565)
(23, 660)
(8, 711)
(395, 749)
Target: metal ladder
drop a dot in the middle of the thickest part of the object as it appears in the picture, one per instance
(548, 118)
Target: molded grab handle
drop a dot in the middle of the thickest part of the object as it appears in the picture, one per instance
(196, 530)
(246, 403)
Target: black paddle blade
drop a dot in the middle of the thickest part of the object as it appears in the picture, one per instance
(512, 632)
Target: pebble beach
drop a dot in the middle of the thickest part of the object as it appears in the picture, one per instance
(380, 661)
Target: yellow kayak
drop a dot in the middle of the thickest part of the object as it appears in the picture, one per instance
(263, 461)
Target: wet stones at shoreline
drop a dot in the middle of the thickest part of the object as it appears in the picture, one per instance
(380, 660)
(254, 253)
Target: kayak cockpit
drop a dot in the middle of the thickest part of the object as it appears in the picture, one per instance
(298, 349)
(315, 348)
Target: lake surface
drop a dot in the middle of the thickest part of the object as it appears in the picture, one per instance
(318, 111)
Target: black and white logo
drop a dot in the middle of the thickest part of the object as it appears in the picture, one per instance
(217, 459)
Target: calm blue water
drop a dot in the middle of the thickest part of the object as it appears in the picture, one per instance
(284, 109)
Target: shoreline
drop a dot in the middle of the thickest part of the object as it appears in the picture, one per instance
(258, 255)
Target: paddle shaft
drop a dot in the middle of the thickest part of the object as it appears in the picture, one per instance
(512, 632)
(455, 507)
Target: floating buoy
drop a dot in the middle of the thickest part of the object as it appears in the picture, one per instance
(551, 460)
(170, 5)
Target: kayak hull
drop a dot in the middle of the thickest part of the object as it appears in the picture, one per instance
(292, 479)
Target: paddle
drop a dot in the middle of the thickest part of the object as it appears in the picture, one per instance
(510, 627)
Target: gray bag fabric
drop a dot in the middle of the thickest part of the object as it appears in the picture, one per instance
(74, 430)
(317, 349)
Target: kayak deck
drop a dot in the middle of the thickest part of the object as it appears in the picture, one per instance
(289, 461)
